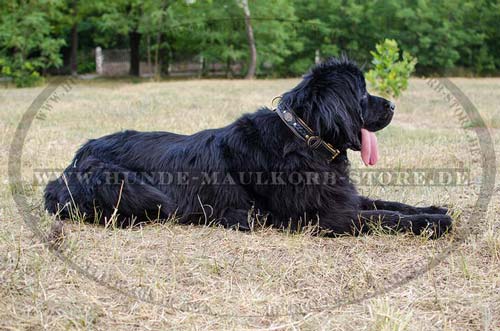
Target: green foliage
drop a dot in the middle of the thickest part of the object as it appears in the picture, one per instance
(28, 45)
(448, 37)
(390, 73)
(22, 73)
(86, 63)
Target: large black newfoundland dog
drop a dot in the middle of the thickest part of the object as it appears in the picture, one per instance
(288, 166)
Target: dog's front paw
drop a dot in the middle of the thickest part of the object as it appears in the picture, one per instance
(435, 225)
(236, 219)
(433, 210)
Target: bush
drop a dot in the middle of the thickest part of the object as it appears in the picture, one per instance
(28, 41)
(23, 74)
(389, 75)
(86, 62)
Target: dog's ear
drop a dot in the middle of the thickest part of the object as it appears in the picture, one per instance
(328, 109)
(326, 99)
(333, 120)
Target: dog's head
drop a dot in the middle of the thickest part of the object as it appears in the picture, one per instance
(333, 100)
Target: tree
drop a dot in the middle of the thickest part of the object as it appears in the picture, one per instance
(124, 17)
(28, 46)
(215, 31)
(74, 39)
(275, 28)
(279, 37)
(251, 41)
(156, 18)
(318, 31)
(211, 31)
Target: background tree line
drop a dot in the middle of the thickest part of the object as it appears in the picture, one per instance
(57, 36)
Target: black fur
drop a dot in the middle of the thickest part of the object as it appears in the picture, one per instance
(123, 170)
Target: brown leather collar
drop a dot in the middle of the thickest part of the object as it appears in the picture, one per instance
(305, 133)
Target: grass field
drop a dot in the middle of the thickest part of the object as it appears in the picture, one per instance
(266, 279)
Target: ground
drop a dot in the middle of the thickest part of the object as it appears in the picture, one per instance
(189, 277)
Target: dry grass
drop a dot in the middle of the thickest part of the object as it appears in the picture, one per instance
(261, 280)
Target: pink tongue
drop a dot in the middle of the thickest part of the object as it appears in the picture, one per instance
(369, 149)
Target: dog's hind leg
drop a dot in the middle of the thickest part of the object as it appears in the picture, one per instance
(103, 190)
(130, 196)
(133, 199)
(68, 198)
(235, 219)
(53, 196)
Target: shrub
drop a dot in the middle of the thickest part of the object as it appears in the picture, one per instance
(389, 75)
(23, 74)
(28, 41)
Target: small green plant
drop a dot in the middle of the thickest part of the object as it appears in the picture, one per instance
(389, 75)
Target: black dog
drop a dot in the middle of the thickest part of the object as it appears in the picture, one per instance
(290, 165)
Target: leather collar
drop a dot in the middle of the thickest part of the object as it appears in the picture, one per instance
(305, 133)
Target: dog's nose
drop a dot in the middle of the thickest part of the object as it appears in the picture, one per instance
(391, 106)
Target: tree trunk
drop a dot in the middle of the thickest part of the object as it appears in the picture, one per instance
(164, 62)
(74, 50)
(157, 54)
(135, 42)
(251, 41)
(204, 67)
(162, 58)
(161, 65)
(229, 70)
(74, 41)
(148, 39)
